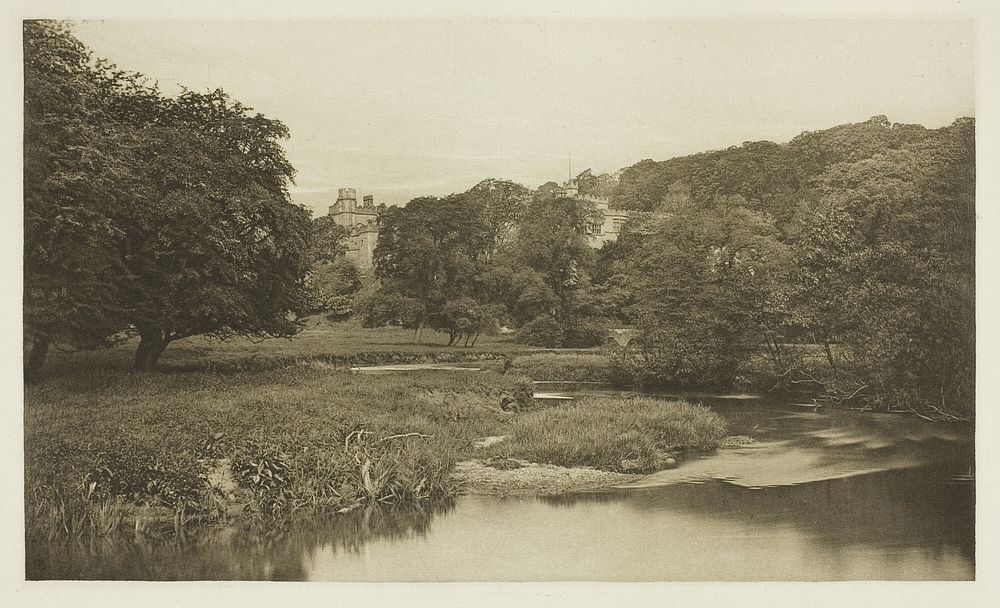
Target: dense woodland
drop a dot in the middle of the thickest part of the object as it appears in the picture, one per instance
(841, 262)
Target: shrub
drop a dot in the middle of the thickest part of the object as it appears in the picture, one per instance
(543, 330)
(585, 333)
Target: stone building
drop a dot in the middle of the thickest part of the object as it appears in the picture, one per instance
(609, 227)
(361, 223)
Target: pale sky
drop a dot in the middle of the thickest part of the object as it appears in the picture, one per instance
(404, 108)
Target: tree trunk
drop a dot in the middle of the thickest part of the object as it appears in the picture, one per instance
(829, 356)
(152, 342)
(474, 338)
(33, 366)
(418, 337)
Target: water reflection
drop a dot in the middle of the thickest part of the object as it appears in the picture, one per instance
(819, 496)
(248, 551)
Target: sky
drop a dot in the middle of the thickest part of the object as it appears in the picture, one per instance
(415, 107)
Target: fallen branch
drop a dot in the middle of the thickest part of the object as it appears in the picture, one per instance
(404, 435)
(918, 414)
(948, 415)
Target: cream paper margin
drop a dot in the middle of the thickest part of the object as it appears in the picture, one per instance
(982, 592)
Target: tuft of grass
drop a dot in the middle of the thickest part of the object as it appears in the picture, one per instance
(621, 434)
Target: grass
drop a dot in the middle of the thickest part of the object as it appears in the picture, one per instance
(291, 428)
(575, 367)
(296, 437)
(321, 341)
(625, 435)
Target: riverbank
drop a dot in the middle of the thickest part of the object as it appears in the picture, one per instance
(108, 449)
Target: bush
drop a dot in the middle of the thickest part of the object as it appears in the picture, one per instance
(585, 333)
(543, 330)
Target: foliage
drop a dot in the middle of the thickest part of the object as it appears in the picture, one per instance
(264, 470)
(328, 240)
(333, 285)
(502, 204)
(465, 317)
(428, 252)
(584, 333)
(167, 215)
(219, 252)
(888, 270)
(707, 282)
(602, 185)
(73, 176)
(543, 330)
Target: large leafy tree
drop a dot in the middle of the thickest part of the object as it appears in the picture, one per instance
(429, 252)
(215, 247)
(502, 204)
(708, 281)
(169, 216)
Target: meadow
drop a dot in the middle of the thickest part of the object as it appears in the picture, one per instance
(229, 429)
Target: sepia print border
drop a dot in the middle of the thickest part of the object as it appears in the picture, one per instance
(982, 592)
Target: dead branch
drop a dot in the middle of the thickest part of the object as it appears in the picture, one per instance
(422, 436)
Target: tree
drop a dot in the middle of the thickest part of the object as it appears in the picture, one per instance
(519, 289)
(333, 283)
(465, 317)
(602, 185)
(707, 281)
(328, 240)
(502, 204)
(215, 247)
(74, 176)
(888, 264)
(430, 252)
(169, 216)
(553, 242)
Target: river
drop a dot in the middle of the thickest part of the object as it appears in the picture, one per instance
(818, 496)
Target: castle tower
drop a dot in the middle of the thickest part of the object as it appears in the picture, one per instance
(360, 222)
(343, 210)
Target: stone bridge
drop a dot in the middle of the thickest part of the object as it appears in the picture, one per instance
(622, 335)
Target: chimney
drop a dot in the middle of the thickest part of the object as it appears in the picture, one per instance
(368, 201)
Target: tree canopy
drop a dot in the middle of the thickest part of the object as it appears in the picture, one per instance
(176, 209)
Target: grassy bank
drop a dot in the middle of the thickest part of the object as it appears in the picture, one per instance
(106, 448)
(276, 441)
(625, 435)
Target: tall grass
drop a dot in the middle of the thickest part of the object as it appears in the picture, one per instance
(152, 439)
(613, 433)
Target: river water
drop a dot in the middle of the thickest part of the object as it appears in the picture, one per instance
(818, 496)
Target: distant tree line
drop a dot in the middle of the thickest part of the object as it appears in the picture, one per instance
(843, 260)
